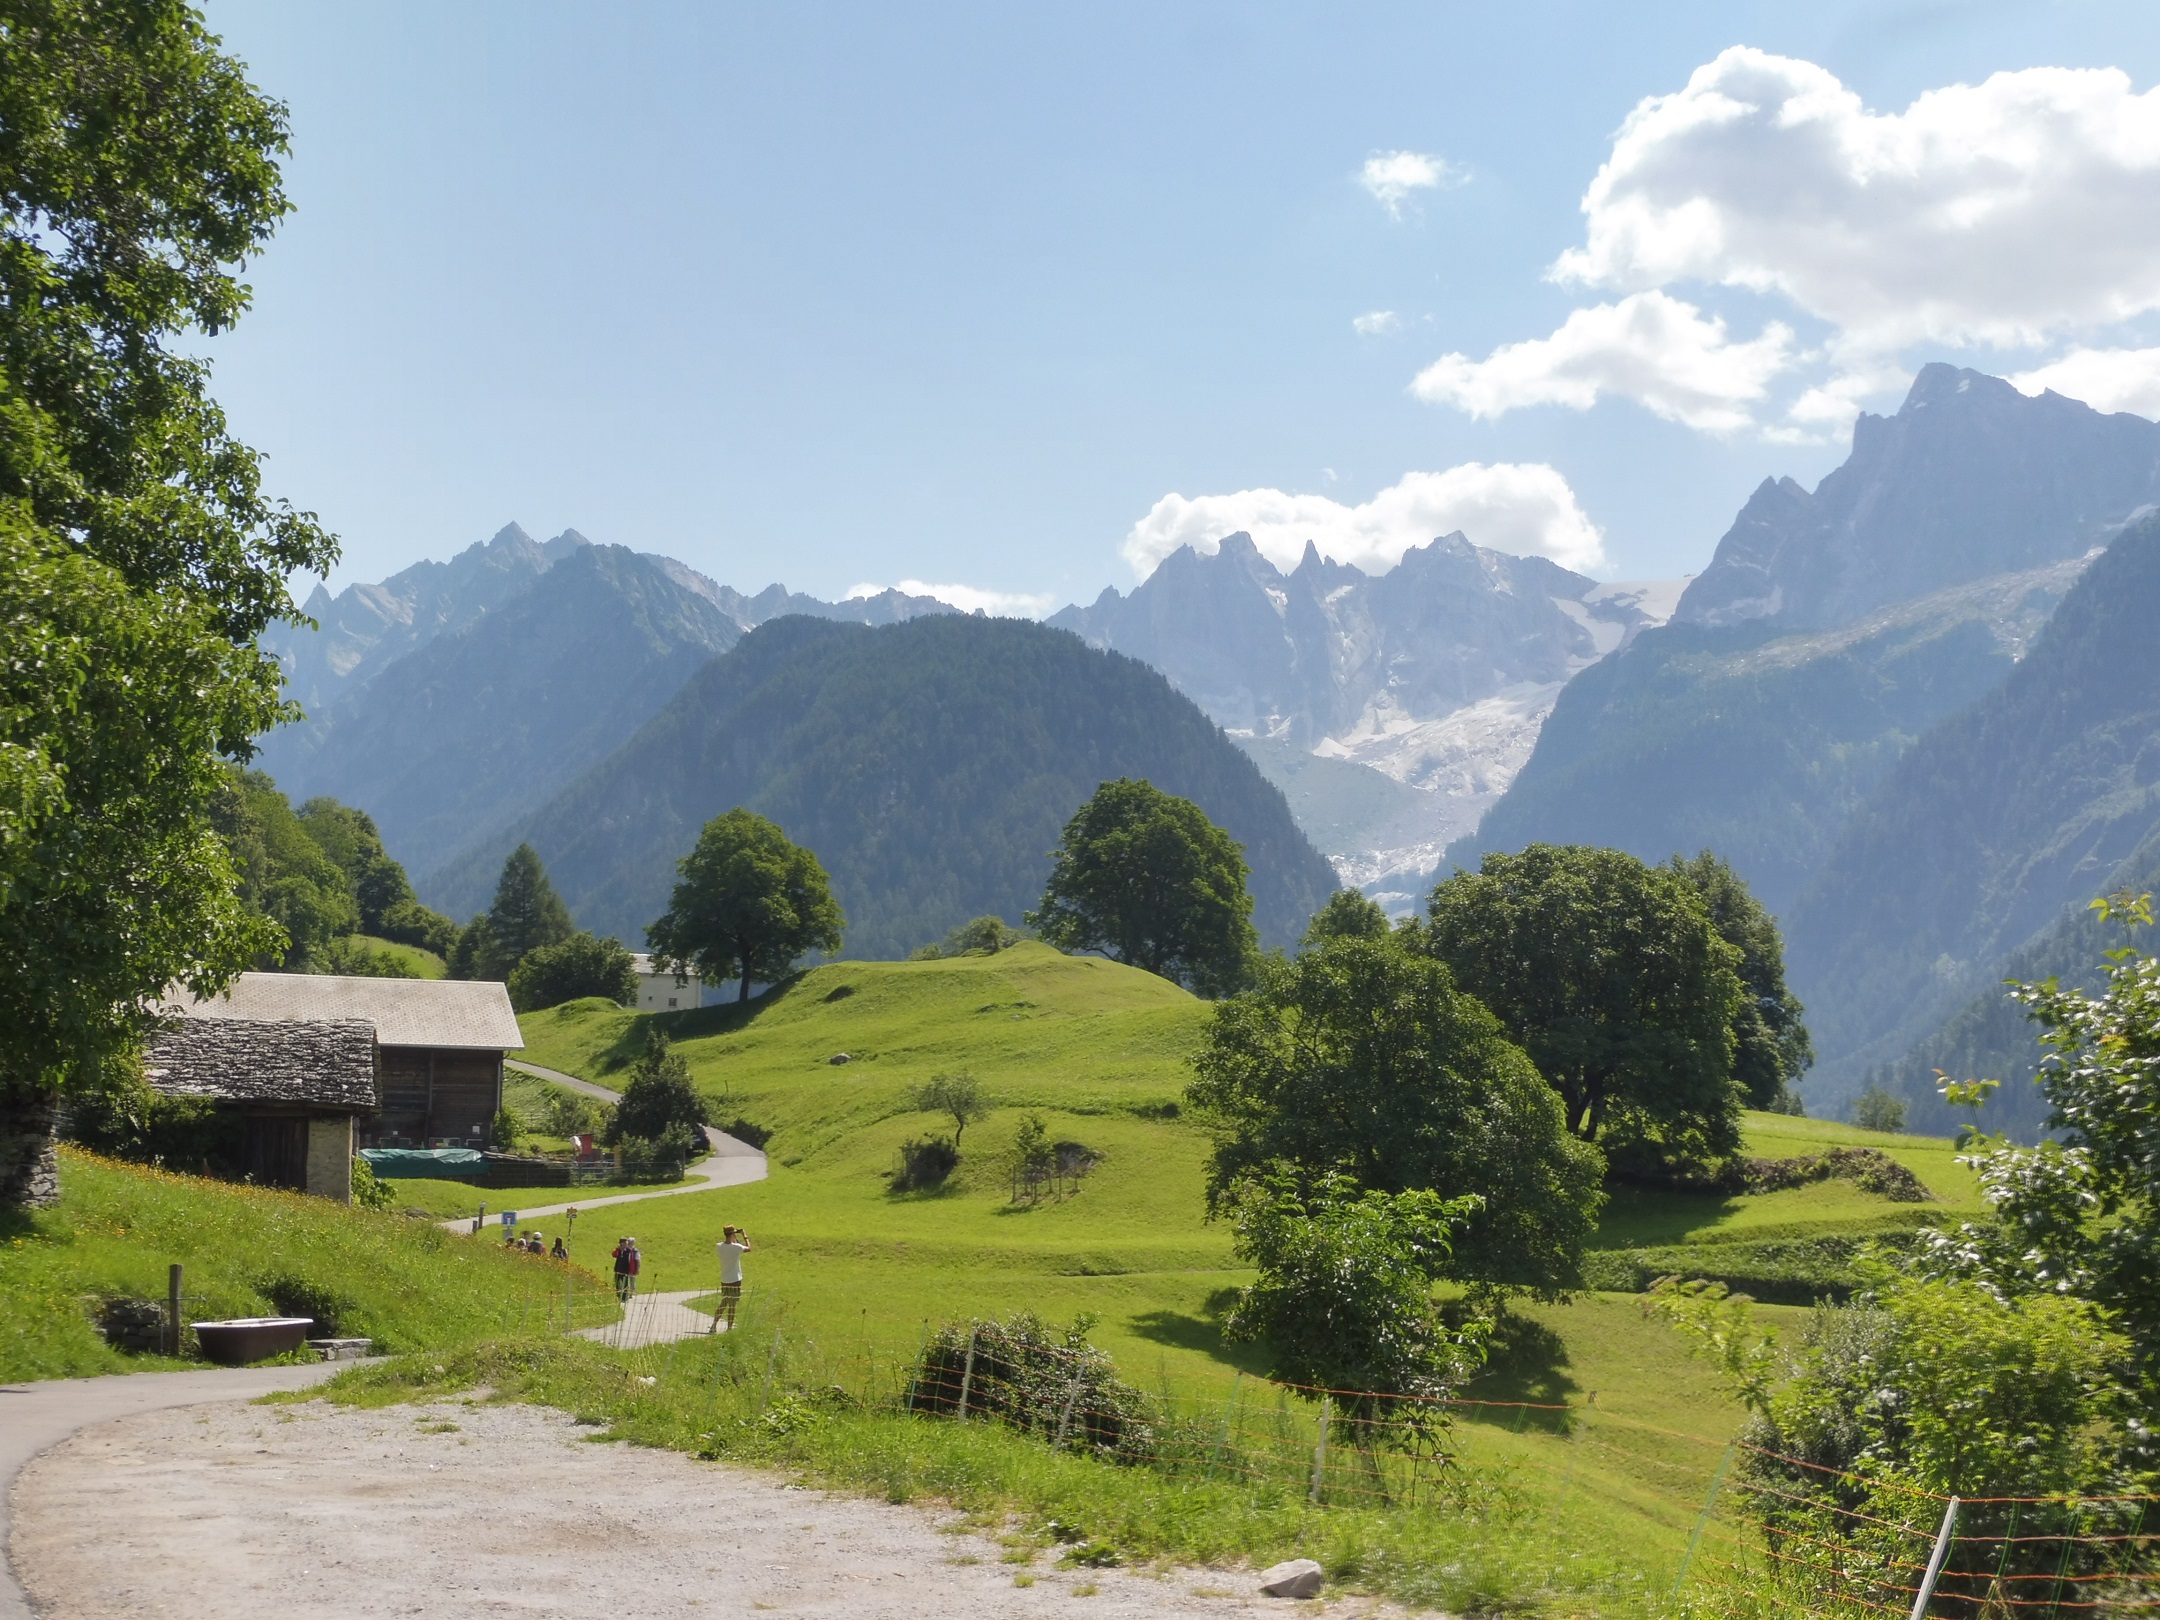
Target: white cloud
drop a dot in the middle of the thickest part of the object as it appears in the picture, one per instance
(968, 598)
(1375, 323)
(1648, 347)
(1995, 213)
(2105, 379)
(1527, 509)
(1392, 176)
(2012, 213)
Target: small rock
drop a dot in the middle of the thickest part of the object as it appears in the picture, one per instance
(1297, 1578)
(838, 1057)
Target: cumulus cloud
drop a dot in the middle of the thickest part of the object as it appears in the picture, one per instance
(2012, 214)
(1995, 213)
(1392, 176)
(1376, 322)
(2105, 379)
(968, 598)
(1648, 347)
(1527, 509)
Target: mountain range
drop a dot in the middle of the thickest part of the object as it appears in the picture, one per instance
(1911, 706)
(1435, 675)
(930, 764)
(1905, 706)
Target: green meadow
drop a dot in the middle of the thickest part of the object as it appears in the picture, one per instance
(850, 1270)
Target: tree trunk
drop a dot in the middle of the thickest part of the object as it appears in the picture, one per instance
(744, 993)
(29, 1171)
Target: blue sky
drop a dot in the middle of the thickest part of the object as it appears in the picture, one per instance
(840, 295)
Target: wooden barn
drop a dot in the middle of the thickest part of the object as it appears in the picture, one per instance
(436, 1056)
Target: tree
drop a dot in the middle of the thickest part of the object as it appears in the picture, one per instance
(139, 558)
(2080, 1214)
(1345, 1292)
(748, 902)
(1146, 879)
(956, 1094)
(527, 912)
(658, 1096)
(1361, 1056)
(1611, 975)
(1771, 1045)
(1876, 1110)
(987, 935)
(284, 873)
(579, 966)
(1347, 915)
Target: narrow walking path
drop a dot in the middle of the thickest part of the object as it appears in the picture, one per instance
(36, 1417)
(584, 1088)
(654, 1319)
(732, 1163)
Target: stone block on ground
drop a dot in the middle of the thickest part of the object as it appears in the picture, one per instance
(1295, 1578)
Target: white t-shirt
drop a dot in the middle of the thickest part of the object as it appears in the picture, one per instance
(731, 1260)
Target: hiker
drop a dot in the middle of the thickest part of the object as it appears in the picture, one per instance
(558, 1252)
(626, 1267)
(733, 1245)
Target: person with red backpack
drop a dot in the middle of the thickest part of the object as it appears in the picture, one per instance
(626, 1269)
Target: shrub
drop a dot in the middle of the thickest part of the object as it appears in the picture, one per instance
(1026, 1376)
(370, 1191)
(658, 1095)
(579, 966)
(925, 1162)
(568, 1114)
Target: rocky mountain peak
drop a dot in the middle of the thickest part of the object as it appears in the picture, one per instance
(1968, 480)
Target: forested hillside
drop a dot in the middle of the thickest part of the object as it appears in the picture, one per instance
(931, 766)
(2001, 817)
(482, 722)
(1755, 744)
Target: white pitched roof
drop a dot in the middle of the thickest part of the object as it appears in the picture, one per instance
(405, 1012)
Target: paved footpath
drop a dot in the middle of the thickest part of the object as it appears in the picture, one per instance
(36, 1417)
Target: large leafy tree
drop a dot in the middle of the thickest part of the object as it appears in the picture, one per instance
(1771, 1045)
(1613, 977)
(1362, 1057)
(747, 903)
(2080, 1213)
(139, 557)
(1146, 879)
(579, 966)
(285, 873)
(1344, 1299)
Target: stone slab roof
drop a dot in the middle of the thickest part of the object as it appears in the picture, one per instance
(325, 1063)
(469, 1013)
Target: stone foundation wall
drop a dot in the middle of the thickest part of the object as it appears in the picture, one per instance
(29, 1168)
(329, 1157)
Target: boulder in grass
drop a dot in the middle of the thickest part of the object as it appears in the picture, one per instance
(1296, 1578)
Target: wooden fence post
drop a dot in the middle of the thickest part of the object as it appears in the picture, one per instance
(1319, 1456)
(967, 1375)
(172, 1306)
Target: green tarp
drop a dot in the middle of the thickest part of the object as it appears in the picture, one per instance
(441, 1164)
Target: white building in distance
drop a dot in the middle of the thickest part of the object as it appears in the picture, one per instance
(665, 992)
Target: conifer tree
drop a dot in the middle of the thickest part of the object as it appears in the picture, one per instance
(526, 915)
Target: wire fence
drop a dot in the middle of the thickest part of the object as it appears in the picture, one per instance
(1713, 1526)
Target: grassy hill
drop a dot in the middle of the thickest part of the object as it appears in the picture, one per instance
(1100, 1052)
(248, 1251)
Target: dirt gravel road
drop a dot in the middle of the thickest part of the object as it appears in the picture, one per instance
(458, 1509)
